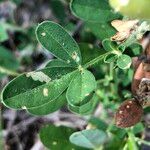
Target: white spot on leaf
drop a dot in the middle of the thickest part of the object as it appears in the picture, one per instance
(45, 92)
(54, 143)
(75, 57)
(39, 76)
(68, 61)
(90, 46)
(43, 34)
(87, 94)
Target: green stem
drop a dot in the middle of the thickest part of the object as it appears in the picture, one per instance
(142, 141)
(131, 141)
(96, 60)
(9, 72)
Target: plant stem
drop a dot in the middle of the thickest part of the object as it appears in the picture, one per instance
(96, 60)
(142, 141)
(8, 72)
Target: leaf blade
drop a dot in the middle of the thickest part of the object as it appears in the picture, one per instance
(92, 138)
(79, 88)
(55, 39)
(101, 9)
(20, 91)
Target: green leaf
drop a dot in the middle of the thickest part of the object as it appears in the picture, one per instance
(93, 10)
(49, 107)
(8, 62)
(57, 138)
(118, 132)
(138, 128)
(131, 142)
(124, 62)
(109, 45)
(7, 59)
(3, 33)
(134, 49)
(101, 30)
(80, 87)
(110, 58)
(56, 39)
(98, 123)
(37, 88)
(85, 109)
(89, 138)
(90, 52)
(58, 10)
(58, 63)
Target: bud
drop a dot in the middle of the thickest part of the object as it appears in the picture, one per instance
(128, 114)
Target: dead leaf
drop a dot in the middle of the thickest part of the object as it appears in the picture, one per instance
(124, 28)
(124, 25)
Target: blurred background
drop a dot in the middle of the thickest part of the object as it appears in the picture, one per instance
(20, 52)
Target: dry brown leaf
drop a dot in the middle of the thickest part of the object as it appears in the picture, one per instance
(124, 25)
(124, 28)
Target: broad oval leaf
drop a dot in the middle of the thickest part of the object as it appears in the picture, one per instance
(93, 10)
(55, 38)
(37, 88)
(89, 138)
(81, 87)
(124, 62)
(49, 107)
(57, 138)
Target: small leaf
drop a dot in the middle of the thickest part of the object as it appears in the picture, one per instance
(3, 33)
(80, 87)
(98, 123)
(8, 62)
(94, 10)
(27, 91)
(89, 138)
(57, 138)
(7, 59)
(109, 45)
(110, 58)
(56, 39)
(124, 62)
(138, 128)
(134, 49)
(120, 133)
